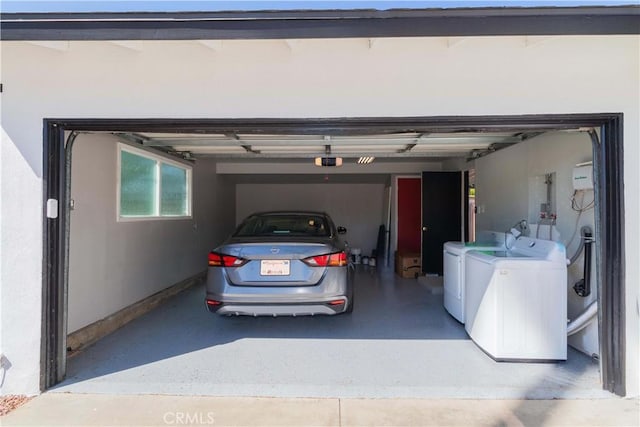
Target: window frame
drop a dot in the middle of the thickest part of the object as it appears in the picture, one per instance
(159, 160)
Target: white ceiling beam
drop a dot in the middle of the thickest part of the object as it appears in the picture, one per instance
(459, 149)
(60, 46)
(214, 150)
(399, 142)
(311, 155)
(307, 166)
(408, 136)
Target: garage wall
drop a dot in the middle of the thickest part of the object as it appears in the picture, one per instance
(267, 78)
(507, 185)
(358, 207)
(114, 264)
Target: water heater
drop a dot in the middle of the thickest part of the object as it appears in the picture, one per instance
(583, 176)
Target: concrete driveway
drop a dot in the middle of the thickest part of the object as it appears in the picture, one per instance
(61, 409)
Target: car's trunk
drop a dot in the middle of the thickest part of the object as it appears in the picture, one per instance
(276, 263)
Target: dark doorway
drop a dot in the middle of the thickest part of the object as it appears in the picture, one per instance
(441, 216)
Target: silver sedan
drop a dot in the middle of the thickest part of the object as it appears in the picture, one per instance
(281, 264)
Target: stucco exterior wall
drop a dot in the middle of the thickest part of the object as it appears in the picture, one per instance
(314, 78)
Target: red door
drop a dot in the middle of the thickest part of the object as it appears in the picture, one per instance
(409, 215)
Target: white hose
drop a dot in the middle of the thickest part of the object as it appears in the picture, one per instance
(581, 322)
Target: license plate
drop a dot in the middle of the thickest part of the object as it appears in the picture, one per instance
(275, 267)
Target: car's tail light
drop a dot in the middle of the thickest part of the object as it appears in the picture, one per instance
(337, 302)
(213, 305)
(221, 260)
(338, 259)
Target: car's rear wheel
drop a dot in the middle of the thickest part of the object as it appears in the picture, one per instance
(350, 307)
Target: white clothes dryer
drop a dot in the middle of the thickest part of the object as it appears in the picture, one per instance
(454, 268)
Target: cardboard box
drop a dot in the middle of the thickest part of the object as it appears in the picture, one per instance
(408, 265)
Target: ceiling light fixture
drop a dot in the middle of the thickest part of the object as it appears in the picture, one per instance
(328, 161)
(365, 160)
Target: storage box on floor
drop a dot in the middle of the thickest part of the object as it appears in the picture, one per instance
(408, 265)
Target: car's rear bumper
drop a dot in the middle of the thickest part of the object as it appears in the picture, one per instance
(225, 298)
(334, 306)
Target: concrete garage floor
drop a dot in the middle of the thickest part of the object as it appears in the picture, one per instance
(398, 343)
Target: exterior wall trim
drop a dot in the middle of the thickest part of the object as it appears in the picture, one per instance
(300, 24)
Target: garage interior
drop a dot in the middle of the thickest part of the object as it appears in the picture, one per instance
(421, 351)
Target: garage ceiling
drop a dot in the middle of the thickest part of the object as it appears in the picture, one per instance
(387, 146)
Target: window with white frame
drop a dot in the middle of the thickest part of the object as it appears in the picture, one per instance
(151, 186)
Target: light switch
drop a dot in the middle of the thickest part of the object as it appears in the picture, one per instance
(52, 208)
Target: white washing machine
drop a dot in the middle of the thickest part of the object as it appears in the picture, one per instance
(516, 301)
(454, 268)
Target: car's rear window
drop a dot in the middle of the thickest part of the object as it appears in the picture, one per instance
(284, 225)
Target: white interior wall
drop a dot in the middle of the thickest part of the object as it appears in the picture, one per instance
(358, 207)
(503, 197)
(265, 78)
(114, 264)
